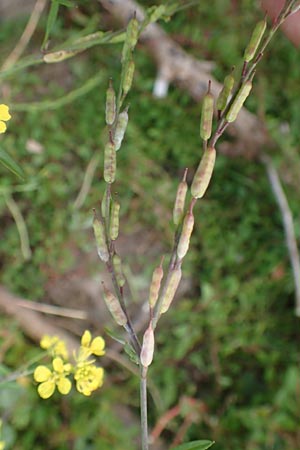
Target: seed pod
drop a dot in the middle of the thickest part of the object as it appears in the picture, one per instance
(117, 263)
(186, 232)
(157, 13)
(110, 106)
(114, 306)
(239, 101)
(255, 40)
(120, 128)
(203, 173)
(180, 200)
(225, 92)
(114, 221)
(99, 233)
(60, 55)
(171, 289)
(132, 34)
(147, 350)
(109, 163)
(128, 76)
(207, 115)
(157, 276)
(103, 204)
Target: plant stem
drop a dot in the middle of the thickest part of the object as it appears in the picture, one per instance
(144, 418)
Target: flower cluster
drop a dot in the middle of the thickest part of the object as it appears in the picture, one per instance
(88, 377)
(4, 117)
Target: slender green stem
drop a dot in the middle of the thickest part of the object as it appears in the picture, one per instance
(144, 414)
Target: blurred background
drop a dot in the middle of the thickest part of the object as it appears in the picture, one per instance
(227, 354)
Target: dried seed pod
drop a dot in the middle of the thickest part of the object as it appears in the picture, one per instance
(110, 106)
(225, 92)
(110, 163)
(114, 306)
(255, 40)
(171, 289)
(117, 263)
(60, 55)
(120, 128)
(157, 276)
(203, 173)
(239, 101)
(99, 233)
(114, 221)
(128, 76)
(186, 232)
(147, 350)
(180, 200)
(207, 115)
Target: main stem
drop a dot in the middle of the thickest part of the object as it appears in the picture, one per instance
(143, 406)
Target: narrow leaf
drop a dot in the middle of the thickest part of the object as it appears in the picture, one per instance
(52, 16)
(195, 445)
(10, 164)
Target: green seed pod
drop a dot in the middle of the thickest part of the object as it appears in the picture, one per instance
(99, 233)
(157, 12)
(255, 40)
(225, 92)
(132, 34)
(239, 101)
(110, 163)
(171, 289)
(157, 276)
(114, 306)
(147, 350)
(203, 173)
(114, 221)
(186, 232)
(117, 263)
(207, 115)
(110, 106)
(180, 200)
(128, 76)
(120, 128)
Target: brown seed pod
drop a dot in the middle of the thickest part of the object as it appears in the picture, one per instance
(255, 40)
(239, 101)
(147, 350)
(171, 289)
(110, 162)
(207, 115)
(180, 200)
(186, 232)
(99, 233)
(114, 306)
(203, 173)
(120, 128)
(114, 221)
(117, 263)
(110, 106)
(157, 276)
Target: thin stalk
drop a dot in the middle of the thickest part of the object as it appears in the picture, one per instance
(144, 413)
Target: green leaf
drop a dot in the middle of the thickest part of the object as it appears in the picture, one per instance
(10, 164)
(195, 445)
(52, 16)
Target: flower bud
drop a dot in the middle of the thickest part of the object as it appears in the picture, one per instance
(114, 221)
(99, 233)
(225, 92)
(110, 106)
(186, 232)
(110, 163)
(203, 173)
(147, 350)
(239, 101)
(171, 289)
(117, 263)
(255, 40)
(207, 115)
(128, 76)
(114, 306)
(120, 128)
(157, 276)
(180, 200)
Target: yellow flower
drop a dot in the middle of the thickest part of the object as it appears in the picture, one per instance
(4, 117)
(56, 346)
(95, 346)
(51, 379)
(88, 378)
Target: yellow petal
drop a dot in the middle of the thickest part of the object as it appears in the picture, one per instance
(2, 127)
(42, 373)
(58, 365)
(97, 346)
(48, 341)
(4, 112)
(86, 338)
(46, 389)
(64, 385)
